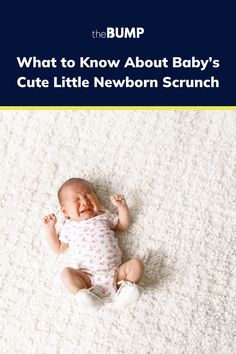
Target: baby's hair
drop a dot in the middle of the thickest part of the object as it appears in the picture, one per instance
(71, 181)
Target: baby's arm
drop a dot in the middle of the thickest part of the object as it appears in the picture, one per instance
(123, 210)
(54, 243)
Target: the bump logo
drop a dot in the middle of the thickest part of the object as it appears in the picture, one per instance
(119, 32)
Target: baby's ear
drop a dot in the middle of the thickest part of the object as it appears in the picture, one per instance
(64, 211)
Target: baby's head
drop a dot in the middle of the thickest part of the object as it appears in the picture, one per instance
(78, 200)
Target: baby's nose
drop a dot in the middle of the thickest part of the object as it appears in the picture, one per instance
(84, 200)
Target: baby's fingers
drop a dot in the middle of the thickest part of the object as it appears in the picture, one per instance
(113, 198)
(119, 197)
(122, 199)
(52, 216)
(48, 218)
(45, 219)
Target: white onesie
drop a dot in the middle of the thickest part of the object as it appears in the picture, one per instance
(93, 248)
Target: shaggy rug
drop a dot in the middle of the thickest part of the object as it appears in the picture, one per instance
(177, 171)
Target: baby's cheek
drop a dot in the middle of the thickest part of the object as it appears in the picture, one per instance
(96, 206)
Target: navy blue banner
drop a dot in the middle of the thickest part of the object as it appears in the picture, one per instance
(123, 54)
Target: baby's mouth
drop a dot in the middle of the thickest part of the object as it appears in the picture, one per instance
(84, 211)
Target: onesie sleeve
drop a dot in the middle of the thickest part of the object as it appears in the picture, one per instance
(64, 232)
(112, 219)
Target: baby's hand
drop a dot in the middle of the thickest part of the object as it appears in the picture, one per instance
(50, 220)
(118, 200)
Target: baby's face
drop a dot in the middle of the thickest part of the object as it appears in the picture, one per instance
(79, 202)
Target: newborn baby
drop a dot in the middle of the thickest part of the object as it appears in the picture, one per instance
(95, 270)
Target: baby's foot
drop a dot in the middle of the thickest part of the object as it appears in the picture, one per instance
(88, 300)
(126, 294)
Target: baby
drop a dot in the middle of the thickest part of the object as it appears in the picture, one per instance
(95, 271)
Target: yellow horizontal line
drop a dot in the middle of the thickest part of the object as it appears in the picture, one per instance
(117, 107)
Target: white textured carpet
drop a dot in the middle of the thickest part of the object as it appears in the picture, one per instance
(177, 170)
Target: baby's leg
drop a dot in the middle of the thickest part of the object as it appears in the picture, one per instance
(132, 271)
(75, 280)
